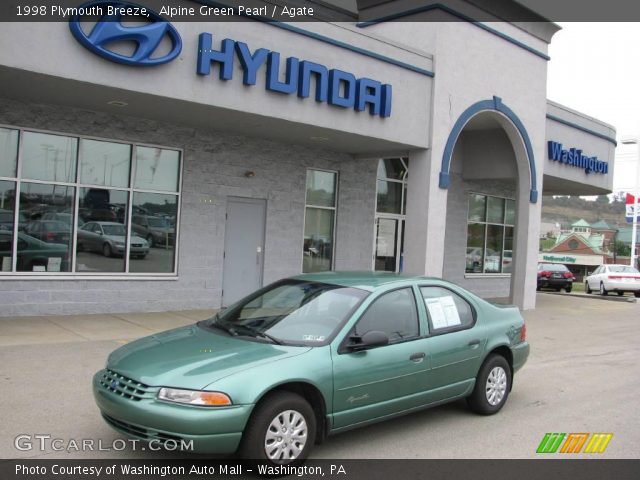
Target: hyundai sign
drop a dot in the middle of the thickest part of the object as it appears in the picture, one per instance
(109, 29)
(333, 86)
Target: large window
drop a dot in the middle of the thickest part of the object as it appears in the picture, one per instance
(70, 204)
(490, 222)
(319, 221)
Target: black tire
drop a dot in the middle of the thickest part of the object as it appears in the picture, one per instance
(150, 241)
(80, 247)
(141, 257)
(603, 291)
(558, 289)
(478, 401)
(106, 250)
(538, 288)
(620, 293)
(568, 289)
(266, 412)
(587, 288)
(636, 294)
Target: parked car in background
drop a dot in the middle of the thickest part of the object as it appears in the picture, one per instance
(613, 278)
(6, 220)
(50, 231)
(156, 230)
(555, 276)
(63, 217)
(109, 239)
(34, 253)
(309, 356)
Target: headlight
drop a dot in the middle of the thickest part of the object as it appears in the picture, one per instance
(119, 244)
(194, 397)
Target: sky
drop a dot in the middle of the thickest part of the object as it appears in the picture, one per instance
(595, 69)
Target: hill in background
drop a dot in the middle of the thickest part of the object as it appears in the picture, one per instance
(567, 210)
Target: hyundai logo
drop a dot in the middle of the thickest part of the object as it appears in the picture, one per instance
(115, 384)
(110, 30)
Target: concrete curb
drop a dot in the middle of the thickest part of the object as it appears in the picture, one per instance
(596, 296)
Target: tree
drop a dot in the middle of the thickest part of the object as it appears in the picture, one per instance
(602, 199)
(621, 249)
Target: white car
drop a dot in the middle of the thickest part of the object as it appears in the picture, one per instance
(613, 278)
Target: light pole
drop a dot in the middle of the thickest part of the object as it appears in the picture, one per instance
(629, 141)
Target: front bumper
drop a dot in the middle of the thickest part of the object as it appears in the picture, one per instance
(210, 429)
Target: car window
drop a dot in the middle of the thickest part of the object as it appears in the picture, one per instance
(87, 226)
(446, 310)
(393, 313)
(622, 269)
(97, 229)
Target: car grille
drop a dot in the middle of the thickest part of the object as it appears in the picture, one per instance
(125, 387)
(136, 244)
(146, 433)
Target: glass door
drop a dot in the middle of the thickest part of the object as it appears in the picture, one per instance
(389, 241)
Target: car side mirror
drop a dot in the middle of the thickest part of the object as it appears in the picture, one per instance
(373, 338)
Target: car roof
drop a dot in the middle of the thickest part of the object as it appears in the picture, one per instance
(364, 280)
(107, 223)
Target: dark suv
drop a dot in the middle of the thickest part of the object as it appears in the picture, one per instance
(555, 276)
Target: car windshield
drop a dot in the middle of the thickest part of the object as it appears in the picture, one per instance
(554, 267)
(622, 269)
(157, 222)
(292, 311)
(113, 229)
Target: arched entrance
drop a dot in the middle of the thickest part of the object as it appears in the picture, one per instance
(489, 171)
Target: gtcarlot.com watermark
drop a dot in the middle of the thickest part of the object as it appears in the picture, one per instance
(46, 443)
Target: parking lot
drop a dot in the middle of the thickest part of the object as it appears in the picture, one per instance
(582, 376)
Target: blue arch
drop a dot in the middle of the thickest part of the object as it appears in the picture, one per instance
(488, 105)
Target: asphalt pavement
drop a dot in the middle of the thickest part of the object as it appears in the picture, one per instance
(582, 376)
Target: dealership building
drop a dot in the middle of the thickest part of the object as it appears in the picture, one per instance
(233, 154)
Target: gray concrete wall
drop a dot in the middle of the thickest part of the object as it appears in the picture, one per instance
(214, 166)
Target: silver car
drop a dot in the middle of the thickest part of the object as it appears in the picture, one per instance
(109, 238)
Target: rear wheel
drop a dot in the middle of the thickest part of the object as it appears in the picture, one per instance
(568, 289)
(281, 431)
(492, 386)
(637, 294)
(603, 291)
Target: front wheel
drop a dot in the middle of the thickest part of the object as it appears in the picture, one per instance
(620, 294)
(106, 250)
(281, 431)
(637, 294)
(587, 288)
(492, 386)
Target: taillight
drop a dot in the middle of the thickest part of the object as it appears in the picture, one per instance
(523, 333)
(545, 274)
(568, 275)
(615, 277)
(50, 236)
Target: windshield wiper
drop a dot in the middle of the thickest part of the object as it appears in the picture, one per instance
(215, 323)
(258, 333)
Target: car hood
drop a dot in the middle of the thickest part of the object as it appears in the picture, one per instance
(120, 238)
(192, 357)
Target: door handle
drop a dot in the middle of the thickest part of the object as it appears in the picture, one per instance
(417, 357)
(258, 252)
(474, 343)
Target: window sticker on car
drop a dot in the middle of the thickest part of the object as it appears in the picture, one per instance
(443, 312)
(313, 338)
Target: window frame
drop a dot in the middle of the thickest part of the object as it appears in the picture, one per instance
(342, 347)
(443, 331)
(486, 223)
(321, 207)
(77, 185)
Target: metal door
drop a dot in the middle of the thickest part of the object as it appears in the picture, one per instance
(243, 247)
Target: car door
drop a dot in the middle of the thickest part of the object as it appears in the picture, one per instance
(456, 342)
(594, 279)
(379, 381)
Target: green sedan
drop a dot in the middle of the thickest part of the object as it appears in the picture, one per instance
(311, 356)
